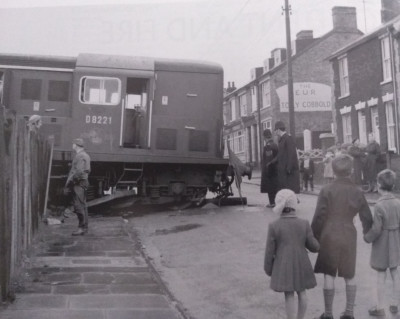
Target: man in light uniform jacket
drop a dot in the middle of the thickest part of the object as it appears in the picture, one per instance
(78, 183)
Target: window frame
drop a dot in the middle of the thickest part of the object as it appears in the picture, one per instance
(265, 94)
(386, 60)
(344, 84)
(243, 104)
(102, 81)
(390, 125)
(232, 108)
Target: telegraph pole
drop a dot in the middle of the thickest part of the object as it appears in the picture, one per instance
(289, 69)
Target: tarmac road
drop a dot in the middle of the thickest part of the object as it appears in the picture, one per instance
(211, 260)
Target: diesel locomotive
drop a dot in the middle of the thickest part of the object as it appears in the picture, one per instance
(152, 127)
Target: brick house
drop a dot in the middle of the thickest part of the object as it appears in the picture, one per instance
(250, 109)
(366, 84)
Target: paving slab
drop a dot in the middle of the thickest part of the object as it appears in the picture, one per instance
(118, 301)
(54, 314)
(101, 275)
(140, 314)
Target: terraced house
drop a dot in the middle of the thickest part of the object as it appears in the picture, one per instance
(366, 83)
(263, 100)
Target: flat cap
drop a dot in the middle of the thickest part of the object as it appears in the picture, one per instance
(78, 141)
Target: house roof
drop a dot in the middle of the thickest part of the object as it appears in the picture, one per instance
(367, 37)
(294, 57)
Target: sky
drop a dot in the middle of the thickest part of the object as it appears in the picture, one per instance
(238, 34)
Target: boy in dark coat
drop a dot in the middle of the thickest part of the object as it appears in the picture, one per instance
(332, 224)
(269, 173)
(307, 170)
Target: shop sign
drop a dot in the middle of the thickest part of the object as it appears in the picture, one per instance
(308, 97)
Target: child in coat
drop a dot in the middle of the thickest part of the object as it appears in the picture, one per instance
(337, 205)
(385, 238)
(286, 260)
(328, 171)
(307, 170)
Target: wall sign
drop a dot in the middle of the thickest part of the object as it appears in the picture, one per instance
(308, 97)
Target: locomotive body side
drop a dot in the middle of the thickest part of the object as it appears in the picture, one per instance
(148, 124)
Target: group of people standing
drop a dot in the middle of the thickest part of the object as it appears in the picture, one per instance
(367, 162)
(332, 234)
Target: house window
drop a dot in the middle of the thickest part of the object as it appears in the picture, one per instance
(243, 105)
(254, 99)
(239, 142)
(343, 77)
(232, 106)
(266, 124)
(31, 89)
(266, 94)
(346, 122)
(229, 141)
(99, 90)
(386, 61)
(390, 126)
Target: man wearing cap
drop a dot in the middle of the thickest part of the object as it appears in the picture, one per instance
(78, 183)
(288, 164)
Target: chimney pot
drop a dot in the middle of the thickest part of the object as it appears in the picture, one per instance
(344, 18)
(305, 34)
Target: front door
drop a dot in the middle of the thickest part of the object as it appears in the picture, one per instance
(375, 123)
(134, 126)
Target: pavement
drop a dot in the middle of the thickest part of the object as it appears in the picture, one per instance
(256, 180)
(101, 275)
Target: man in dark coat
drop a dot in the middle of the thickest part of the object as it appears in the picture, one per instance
(358, 161)
(288, 164)
(371, 166)
(269, 173)
(338, 203)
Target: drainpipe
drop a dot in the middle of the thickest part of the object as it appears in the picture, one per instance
(260, 131)
(392, 55)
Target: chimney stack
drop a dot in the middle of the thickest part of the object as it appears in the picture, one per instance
(344, 18)
(304, 34)
(389, 10)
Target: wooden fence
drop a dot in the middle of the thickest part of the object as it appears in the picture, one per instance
(24, 162)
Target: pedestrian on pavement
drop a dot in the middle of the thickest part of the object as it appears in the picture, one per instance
(358, 161)
(337, 205)
(385, 238)
(286, 259)
(338, 148)
(307, 171)
(288, 164)
(77, 183)
(371, 165)
(269, 172)
(328, 171)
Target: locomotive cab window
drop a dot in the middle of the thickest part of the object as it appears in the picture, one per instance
(100, 90)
